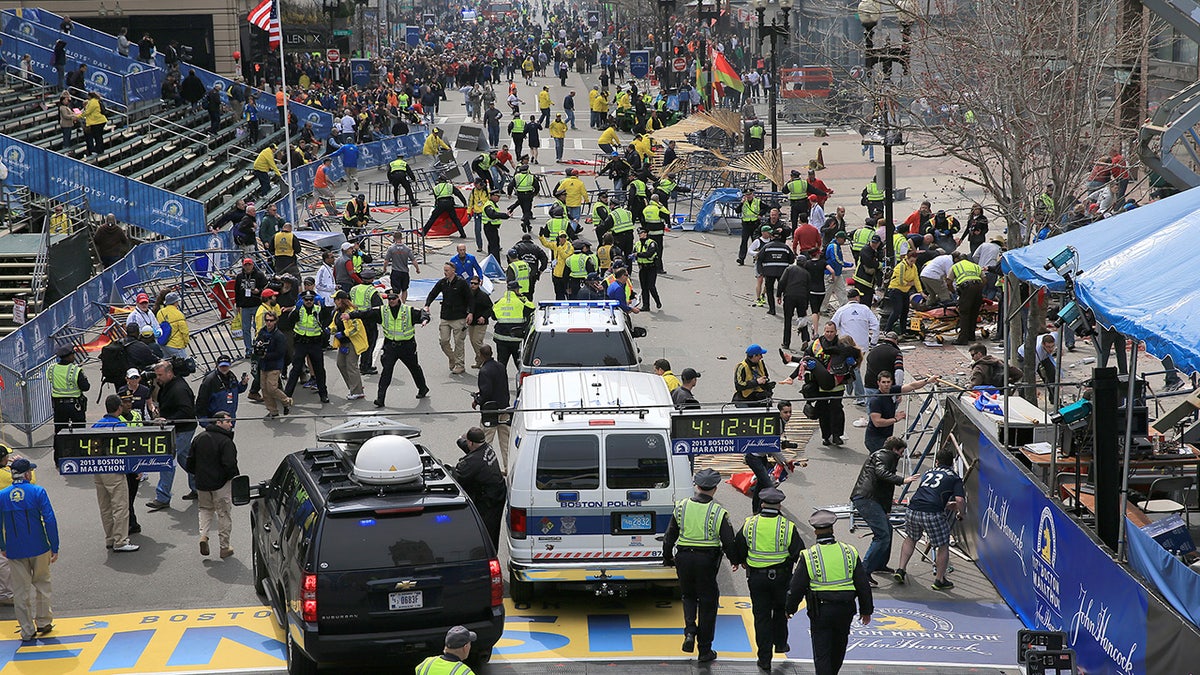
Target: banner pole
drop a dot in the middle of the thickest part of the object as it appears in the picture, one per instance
(287, 133)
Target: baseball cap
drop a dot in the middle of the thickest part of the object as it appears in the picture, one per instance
(146, 331)
(839, 235)
(876, 239)
(224, 360)
(688, 374)
(755, 350)
(247, 261)
(890, 336)
(851, 292)
(514, 285)
(346, 246)
(765, 228)
(341, 295)
(133, 372)
(172, 298)
(459, 637)
(142, 297)
(22, 465)
(269, 293)
(308, 295)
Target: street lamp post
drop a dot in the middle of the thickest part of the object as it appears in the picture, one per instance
(777, 31)
(707, 13)
(665, 7)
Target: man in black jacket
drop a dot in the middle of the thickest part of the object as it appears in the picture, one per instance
(493, 395)
(774, 259)
(479, 474)
(214, 464)
(455, 315)
(176, 404)
(872, 498)
(398, 323)
(248, 286)
(137, 353)
(792, 293)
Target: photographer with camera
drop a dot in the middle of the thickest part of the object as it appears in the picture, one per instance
(751, 383)
(479, 474)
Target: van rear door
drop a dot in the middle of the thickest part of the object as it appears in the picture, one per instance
(638, 493)
(566, 521)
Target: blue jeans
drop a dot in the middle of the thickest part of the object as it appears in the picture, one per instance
(570, 118)
(248, 328)
(183, 448)
(479, 231)
(558, 148)
(856, 385)
(176, 351)
(877, 555)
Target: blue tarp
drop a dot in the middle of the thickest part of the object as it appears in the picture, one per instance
(1134, 274)
(1174, 580)
(707, 215)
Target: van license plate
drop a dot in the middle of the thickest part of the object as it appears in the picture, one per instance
(406, 600)
(637, 522)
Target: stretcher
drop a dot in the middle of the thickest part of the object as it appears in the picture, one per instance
(933, 324)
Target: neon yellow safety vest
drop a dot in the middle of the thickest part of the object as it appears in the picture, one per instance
(831, 566)
(524, 182)
(521, 275)
(643, 252)
(751, 210)
(436, 665)
(756, 131)
(64, 380)
(862, 238)
(874, 194)
(557, 226)
(622, 221)
(488, 220)
(1047, 202)
(639, 188)
(652, 214)
(135, 419)
(357, 261)
(965, 271)
(397, 164)
(309, 323)
(442, 190)
(768, 539)
(518, 126)
(699, 524)
(577, 264)
(510, 308)
(486, 161)
(398, 328)
(899, 241)
(666, 186)
(797, 189)
(361, 295)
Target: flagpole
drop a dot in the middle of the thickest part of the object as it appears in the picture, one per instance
(287, 134)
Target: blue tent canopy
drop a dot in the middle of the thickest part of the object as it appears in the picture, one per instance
(1140, 274)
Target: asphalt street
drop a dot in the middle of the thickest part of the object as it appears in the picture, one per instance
(706, 324)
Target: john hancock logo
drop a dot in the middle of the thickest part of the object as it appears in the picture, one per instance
(25, 28)
(14, 159)
(1045, 576)
(921, 631)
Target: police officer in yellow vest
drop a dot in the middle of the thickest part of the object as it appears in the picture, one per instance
(967, 281)
(364, 295)
(492, 217)
(750, 379)
(357, 216)
(458, 648)
(872, 198)
(768, 546)
(579, 265)
(512, 311)
(444, 194)
(664, 189)
(622, 228)
(558, 223)
(310, 336)
(67, 384)
(636, 198)
(520, 273)
(755, 136)
(830, 578)
(700, 528)
(398, 322)
(526, 187)
(861, 238)
(400, 175)
(751, 215)
(656, 217)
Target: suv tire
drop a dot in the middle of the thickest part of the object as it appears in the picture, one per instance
(299, 663)
(519, 591)
(477, 659)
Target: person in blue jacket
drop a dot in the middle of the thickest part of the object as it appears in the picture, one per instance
(29, 539)
(349, 154)
(219, 391)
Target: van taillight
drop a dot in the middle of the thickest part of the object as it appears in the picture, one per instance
(497, 583)
(308, 598)
(579, 330)
(516, 523)
(521, 378)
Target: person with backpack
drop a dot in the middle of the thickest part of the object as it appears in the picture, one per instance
(219, 391)
(118, 357)
(988, 371)
(178, 339)
(213, 103)
(142, 315)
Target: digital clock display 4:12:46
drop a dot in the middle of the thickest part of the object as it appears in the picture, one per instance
(121, 442)
(732, 425)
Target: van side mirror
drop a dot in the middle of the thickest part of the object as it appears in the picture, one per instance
(241, 491)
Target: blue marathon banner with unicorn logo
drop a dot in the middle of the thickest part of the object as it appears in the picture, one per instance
(49, 173)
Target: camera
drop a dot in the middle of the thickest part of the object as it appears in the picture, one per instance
(462, 445)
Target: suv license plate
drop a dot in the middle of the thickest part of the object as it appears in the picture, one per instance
(406, 600)
(637, 522)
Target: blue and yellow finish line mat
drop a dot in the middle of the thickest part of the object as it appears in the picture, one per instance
(247, 639)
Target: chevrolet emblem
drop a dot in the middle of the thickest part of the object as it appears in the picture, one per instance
(406, 585)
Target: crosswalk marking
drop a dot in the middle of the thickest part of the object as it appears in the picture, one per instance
(577, 143)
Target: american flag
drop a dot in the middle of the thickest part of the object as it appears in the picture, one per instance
(266, 17)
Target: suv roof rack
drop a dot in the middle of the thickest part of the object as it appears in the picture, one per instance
(332, 469)
(640, 412)
(610, 305)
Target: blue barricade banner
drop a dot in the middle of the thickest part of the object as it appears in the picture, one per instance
(360, 72)
(150, 208)
(80, 49)
(1173, 579)
(1053, 575)
(109, 85)
(322, 121)
(145, 85)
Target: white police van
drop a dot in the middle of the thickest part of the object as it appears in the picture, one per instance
(573, 334)
(593, 482)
